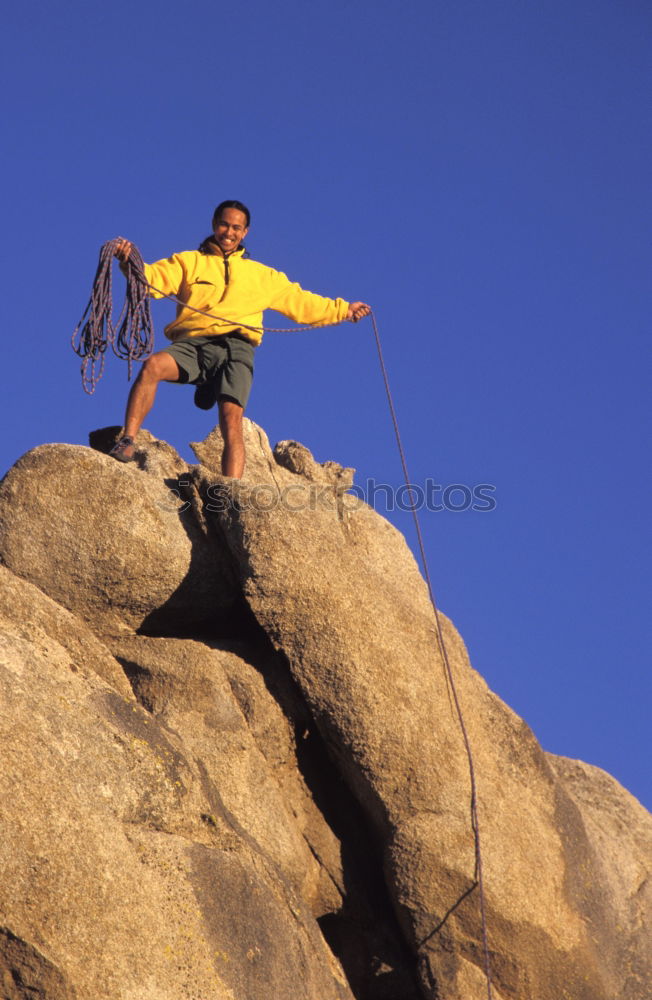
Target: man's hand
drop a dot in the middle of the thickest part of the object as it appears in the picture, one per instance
(123, 251)
(358, 310)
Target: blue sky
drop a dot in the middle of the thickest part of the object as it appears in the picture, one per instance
(478, 171)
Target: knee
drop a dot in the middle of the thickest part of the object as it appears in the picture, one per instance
(156, 368)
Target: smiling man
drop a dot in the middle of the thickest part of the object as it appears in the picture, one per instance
(217, 355)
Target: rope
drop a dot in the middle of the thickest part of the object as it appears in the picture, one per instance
(134, 338)
(243, 326)
(478, 876)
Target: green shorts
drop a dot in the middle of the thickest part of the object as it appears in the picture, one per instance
(226, 360)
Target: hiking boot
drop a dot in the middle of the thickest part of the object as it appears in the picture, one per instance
(124, 449)
(205, 396)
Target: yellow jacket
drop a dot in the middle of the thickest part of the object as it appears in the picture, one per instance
(237, 289)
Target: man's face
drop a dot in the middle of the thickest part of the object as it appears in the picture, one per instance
(230, 229)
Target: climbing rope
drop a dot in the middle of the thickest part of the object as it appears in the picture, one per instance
(134, 341)
(478, 875)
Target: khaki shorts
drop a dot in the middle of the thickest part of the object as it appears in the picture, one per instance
(226, 360)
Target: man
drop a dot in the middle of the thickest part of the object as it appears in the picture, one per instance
(216, 355)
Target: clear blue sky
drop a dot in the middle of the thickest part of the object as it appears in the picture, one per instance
(478, 170)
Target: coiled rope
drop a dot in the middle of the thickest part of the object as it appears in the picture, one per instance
(135, 340)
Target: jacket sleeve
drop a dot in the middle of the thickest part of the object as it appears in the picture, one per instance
(301, 306)
(166, 276)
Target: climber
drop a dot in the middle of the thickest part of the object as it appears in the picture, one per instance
(216, 356)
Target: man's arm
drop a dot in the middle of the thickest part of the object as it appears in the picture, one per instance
(303, 306)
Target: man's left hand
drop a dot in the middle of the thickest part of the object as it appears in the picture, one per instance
(358, 310)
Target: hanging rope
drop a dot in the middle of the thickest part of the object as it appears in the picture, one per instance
(134, 338)
(134, 341)
(478, 876)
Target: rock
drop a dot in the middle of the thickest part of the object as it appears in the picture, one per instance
(153, 456)
(619, 831)
(337, 590)
(233, 757)
(272, 791)
(297, 458)
(31, 613)
(266, 466)
(115, 546)
(259, 466)
(122, 875)
(185, 684)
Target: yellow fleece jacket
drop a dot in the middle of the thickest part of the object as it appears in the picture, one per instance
(237, 289)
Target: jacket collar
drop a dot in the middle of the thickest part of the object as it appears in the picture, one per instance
(210, 246)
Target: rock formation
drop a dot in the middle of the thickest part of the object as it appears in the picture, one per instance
(233, 769)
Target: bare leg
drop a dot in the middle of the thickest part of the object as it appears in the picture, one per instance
(160, 367)
(233, 456)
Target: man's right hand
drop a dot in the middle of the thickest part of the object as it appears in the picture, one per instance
(123, 250)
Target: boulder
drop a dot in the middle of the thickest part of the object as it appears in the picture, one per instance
(337, 590)
(235, 767)
(123, 873)
(115, 545)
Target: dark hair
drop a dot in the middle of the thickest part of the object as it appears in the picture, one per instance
(231, 204)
